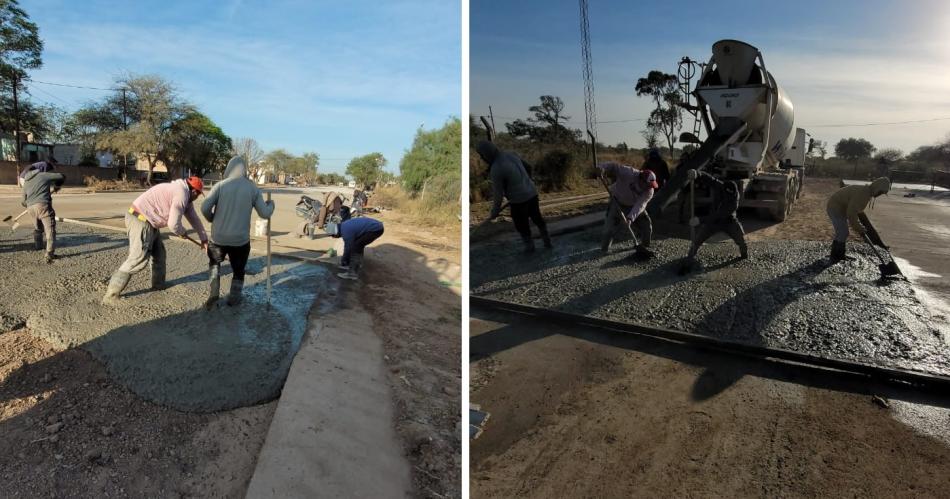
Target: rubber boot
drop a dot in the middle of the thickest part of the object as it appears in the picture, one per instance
(546, 238)
(116, 285)
(744, 251)
(642, 253)
(528, 245)
(837, 251)
(234, 296)
(38, 241)
(214, 286)
(50, 257)
(353, 274)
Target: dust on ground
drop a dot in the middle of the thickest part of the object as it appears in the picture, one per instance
(411, 289)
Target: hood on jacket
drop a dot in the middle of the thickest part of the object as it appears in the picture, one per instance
(236, 168)
(30, 174)
(880, 185)
(487, 150)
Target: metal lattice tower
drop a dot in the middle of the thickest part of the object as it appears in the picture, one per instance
(590, 115)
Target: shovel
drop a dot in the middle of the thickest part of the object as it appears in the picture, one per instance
(16, 222)
(887, 269)
(486, 221)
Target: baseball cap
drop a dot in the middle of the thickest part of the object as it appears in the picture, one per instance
(650, 178)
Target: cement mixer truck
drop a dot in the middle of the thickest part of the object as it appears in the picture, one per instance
(749, 126)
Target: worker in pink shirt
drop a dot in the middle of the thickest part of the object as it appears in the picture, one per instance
(161, 206)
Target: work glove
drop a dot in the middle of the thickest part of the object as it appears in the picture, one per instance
(692, 175)
(694, 222)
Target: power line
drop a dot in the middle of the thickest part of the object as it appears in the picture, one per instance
(54, 96)
(73, 86)
(877, 124)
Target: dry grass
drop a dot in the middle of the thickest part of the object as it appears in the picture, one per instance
(94, 184)
(426, 212)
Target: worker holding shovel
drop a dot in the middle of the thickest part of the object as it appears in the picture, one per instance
(357, 234)
(844, 208)
(630, 192)
(228, 208)
(161, 206)
(510, 180)
(722, 217)
(38, 185)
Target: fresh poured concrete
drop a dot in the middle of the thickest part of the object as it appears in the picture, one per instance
(787, 295)
(163, 345)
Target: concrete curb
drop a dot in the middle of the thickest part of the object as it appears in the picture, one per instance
(332, 433)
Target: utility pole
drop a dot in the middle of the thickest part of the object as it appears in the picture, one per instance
(125, 126)
(16, 117)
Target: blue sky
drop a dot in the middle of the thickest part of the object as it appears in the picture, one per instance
(842, 62)
(339, 78)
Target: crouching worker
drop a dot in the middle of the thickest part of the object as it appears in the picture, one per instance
(357, 234)
(228, 209)
(39, 182)
(631, 191)
(722, 217)
(161, 206)
(845, 205)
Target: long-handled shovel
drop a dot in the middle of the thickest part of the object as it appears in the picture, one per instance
(268, 254)
(887, 269)
(16, 221)
(487, 221)
(186, 236)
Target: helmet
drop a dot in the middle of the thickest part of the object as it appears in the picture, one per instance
(195, 184)
(332, 228)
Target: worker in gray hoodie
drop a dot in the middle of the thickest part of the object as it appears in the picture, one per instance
(228, 208)
(510, 180)
(38, 186)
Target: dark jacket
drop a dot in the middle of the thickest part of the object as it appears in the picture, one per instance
(724, 204)
(36, 186)
(659, 167)
(353, 228)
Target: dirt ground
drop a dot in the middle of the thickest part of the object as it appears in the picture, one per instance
(583, 413)
(421, 329)
(71, 431)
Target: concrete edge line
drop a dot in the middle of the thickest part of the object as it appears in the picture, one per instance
(332, 433)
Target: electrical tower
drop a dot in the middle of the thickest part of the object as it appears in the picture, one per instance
(590, 116)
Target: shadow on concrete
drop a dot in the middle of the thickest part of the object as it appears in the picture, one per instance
(721, 370)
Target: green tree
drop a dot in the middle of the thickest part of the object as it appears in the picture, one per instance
(59, 126)
(198, 145)
(667, 117)
(433, 153)
(365, 169)
(21, 48)
(852, 149)
(278, 160)
(157, 108)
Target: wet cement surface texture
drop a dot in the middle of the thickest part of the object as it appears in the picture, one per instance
(164, 346)
(786, 296)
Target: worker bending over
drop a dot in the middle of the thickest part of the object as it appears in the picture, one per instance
(228, 209)
(722, 217)
(630, 192)
(161, 206)
(39, 182)
(510, 180)
(357, 234)
(845, 205)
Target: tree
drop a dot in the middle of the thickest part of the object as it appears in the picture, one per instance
(853, 149)
(248, 149)
(278, 160)
(366, 169)
(59, 126)
(667, 117)
(157, 107)
(888, 156)
(20, 45)
(651, 137)
(433, 153)
(549, 112)
(304, 167)
(198, 145)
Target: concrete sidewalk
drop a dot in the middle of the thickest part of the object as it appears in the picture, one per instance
(332, 434)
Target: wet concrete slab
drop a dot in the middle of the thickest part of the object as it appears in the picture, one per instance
(786, 296)
(164, 345)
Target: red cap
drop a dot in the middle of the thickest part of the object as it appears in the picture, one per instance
(196, 184)
(650, 178)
